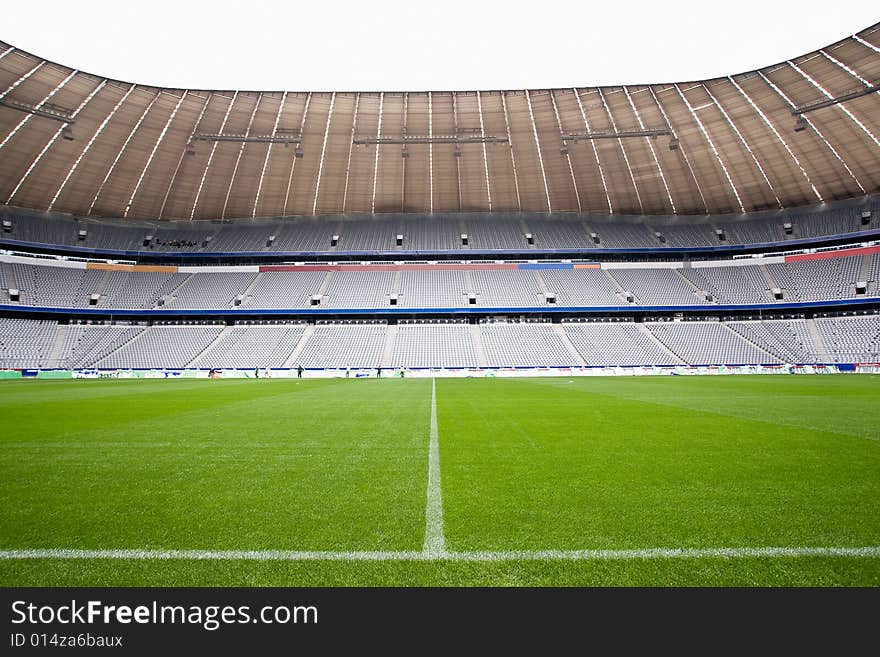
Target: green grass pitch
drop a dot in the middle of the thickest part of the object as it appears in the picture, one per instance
(341, 466)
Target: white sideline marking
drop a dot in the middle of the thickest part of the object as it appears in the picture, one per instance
(477, 556)
(435, 542)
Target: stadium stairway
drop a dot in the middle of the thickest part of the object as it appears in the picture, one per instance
(171, 295)
(819, 346)
(768, 279)
(469, 282)
(524, 227)
(395, 282)
(9, 274)
(572, 350)
(307, 334)
(697, 292)
(477, 337)
(325, 283)
(771, 358)
(53, 357)
(542, 284)
(390, 339)
(122, 343)
(674, 356)
(197, 361)
(620, 291)
(101, 287)
(246, 293)
(864, 268)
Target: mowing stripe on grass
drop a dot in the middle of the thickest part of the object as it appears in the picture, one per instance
(476, 556)
(435, 542)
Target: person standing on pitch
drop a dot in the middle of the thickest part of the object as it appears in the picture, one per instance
(299, 371)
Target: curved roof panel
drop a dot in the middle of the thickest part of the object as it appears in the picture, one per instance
(712, 146)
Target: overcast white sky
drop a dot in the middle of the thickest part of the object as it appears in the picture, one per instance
(441, 45)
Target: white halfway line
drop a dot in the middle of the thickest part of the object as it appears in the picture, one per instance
(435, 542)
(476, 556)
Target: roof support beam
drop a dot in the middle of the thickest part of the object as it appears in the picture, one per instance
(354, 118)
(782, 95)
(431, 152)
(743, 141)
(651, 147)
(429, 139)
(302, 125)
(153, 153)
(279, 138)
(485, 157)
(22, 79)
(323, 151)
(512, 156)
(36, 110)
(43, 110)
(88, 146)
(538, 148)
(624, 134)
(712, 147)
(580, 105)
(182, 156)
(238, 156)
(192, 213)
(837, 100)
(457, 151)
(404, 154)
(565, 152)
(268, 153)
(58, 133)
(845, 110)
(376, 159)
(122, 150)
(622, 149)
(681, 150)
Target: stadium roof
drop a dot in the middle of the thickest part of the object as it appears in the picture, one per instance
(795, 133)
